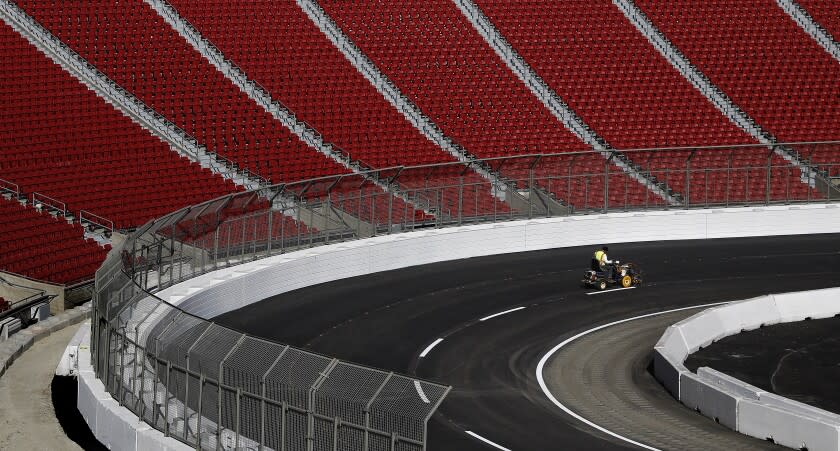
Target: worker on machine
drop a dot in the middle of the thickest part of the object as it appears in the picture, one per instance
(602, 263)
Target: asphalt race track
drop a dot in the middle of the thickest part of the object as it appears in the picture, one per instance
(388, 319)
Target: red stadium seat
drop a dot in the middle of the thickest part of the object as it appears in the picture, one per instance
(41, 247)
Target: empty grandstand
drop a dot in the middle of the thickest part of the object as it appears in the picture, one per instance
(175, 138)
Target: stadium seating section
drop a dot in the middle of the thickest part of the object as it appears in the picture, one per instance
(60, 140)
(610, 74)
(277, 45)
(824, 13)
(436, 58)
(627, 92)
(132, 45)
(762, 59)
(39, 246)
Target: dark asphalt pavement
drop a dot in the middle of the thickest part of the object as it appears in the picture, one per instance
(387, 319)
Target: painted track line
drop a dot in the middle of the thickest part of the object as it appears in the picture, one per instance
(607, 291)
(430, 347)
(419, 389)
(493, 444)
(502, 313)
(553, 350)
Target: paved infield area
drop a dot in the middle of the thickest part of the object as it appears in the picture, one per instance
(388, 319)
(799, 360)
(27, 417)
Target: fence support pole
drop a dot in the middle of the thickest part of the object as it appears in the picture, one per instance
(200, 413)
(688, 179)
(461, 200)
(166, 399)
(336, 426)
(367, 410)
(767, 187)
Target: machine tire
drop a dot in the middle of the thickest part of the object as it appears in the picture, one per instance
(602, 284)
(626, 281)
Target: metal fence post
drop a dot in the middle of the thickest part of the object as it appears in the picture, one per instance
(200, 413)
(769, 175)
(688, 179)
(166, 399)
(121, 387)
(367, 410)
(390, 213)
(263, 396)
(219, 383)
(187, 378)
(216, 247)
(283, 413)
(310, 404)
(238, 414)
(270, 232)
(336, 426)
(461, 200)
(747, 185)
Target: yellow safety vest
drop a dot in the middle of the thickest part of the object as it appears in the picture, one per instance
(599, 255)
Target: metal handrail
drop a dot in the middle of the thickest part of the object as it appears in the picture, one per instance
(39, 199)
(86, 216)
(10, 187)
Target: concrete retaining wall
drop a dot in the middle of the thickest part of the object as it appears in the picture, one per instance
(12, 348)
(229, 289)
(14, 293)
(113, 425)
(736, 404)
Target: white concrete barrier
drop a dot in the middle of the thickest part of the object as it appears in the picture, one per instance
(786, 428)
(816, 304)
(774, 400)
(701, 330)
(748, 315)
(668, 372)
(729, 384)
(736, 404)
(113, 425)
(701, 395)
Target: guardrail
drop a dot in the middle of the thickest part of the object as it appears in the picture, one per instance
(39, 201)
(86, 216)
(9, 187)
(735, 404)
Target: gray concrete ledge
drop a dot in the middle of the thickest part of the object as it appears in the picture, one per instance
(18, 343)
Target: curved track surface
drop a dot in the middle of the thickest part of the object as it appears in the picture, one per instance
(388, 319)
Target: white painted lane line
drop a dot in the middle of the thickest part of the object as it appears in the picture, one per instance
(553, 350)
(501, 313)
(607, 291)
(420, 392)
(493, 444)
(429, 348)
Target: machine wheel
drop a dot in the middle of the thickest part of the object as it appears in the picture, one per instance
(626, 281)
(602, 284)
